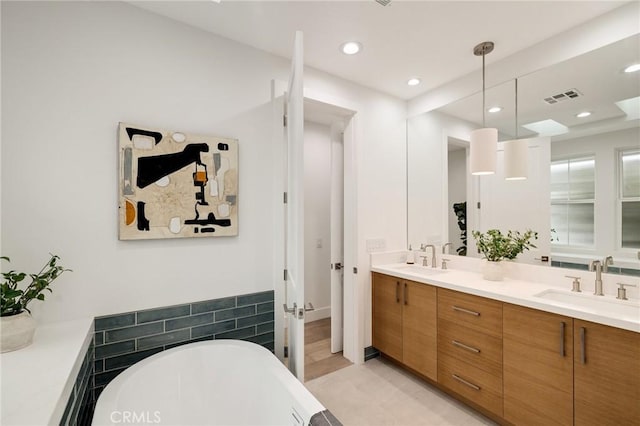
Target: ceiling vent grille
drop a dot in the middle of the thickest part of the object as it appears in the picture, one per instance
(383, 2)
(564, 96)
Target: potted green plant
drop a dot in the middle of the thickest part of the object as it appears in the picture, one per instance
(496, 246)
(16, 324)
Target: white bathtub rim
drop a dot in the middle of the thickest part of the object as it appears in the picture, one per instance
(110, 394)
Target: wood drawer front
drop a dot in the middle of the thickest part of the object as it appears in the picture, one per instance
(478, 349)
(475, 312)
(481, 387)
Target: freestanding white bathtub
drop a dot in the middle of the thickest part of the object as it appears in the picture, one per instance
(221, 382)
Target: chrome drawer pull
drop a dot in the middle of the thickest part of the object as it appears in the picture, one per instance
(562, 328)
(466, 311)
(583, 354)
(463, 381)
(463, 346)
(406, 299)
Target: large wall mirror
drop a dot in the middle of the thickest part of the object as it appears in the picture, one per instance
(582, 194)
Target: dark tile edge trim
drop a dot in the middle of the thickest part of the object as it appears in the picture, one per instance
(324, 418)
(370, 352)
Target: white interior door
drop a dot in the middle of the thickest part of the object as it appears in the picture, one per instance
(337, 238)
(294, 248)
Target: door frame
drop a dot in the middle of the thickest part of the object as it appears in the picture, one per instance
(353, 320)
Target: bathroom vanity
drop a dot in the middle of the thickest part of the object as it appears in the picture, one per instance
(508, 348)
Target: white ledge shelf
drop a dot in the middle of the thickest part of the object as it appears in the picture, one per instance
(36, 381)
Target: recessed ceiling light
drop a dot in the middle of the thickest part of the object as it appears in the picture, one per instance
(495, 109)
(583, 114)
(413, 81)
(632, 68)
(351, 47)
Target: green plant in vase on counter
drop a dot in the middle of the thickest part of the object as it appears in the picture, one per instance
(17, 326)
(496, 246)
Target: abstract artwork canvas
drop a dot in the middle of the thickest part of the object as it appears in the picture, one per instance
(176, 184)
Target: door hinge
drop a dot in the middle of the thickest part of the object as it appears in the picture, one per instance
(286, 275)
(478, 204)
(284, 120)
(355, 270)
(285, 197)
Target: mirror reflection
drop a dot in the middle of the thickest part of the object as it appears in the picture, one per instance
(582, 195)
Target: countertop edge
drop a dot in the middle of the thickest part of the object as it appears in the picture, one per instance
(439, 280)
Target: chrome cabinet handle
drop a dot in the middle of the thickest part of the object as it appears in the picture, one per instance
(397, 291)
(463, 381)
(406, 301)
(562, 328)
(463, 346)
(583, 354)
(466, 311)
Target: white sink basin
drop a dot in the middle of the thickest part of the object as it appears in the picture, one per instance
(419, 270)
(598, 304)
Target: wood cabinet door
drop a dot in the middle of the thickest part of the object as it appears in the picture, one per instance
(419, 328)
(538, 367)
(387, 315)
(607, 375)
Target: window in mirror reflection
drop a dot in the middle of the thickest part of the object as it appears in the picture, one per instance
(629, 167)
(572, 201)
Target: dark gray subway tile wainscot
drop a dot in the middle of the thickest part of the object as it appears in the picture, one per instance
(123, 339)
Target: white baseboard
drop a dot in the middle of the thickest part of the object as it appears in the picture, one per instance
(318, 314)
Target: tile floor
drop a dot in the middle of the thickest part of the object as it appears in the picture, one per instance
(379, 393)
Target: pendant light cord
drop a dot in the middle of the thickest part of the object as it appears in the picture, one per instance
(516, 108)
(484, 105)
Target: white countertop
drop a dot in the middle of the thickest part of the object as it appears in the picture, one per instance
(515, 291)
(36, 381)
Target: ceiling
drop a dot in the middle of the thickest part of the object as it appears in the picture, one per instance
(431, 40)
(598, 76)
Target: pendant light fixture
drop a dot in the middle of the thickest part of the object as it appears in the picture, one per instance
(484, 142)
(515, 151)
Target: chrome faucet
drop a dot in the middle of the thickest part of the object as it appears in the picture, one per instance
(596, 265)
(424, 248)
(445, 246)
(608, 261)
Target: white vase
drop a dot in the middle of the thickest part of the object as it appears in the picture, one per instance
(16, 331)
(492, 271)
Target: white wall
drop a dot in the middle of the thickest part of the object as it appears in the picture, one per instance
(604, 146)
(457, 193)
(317, 223)
(72, 70)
